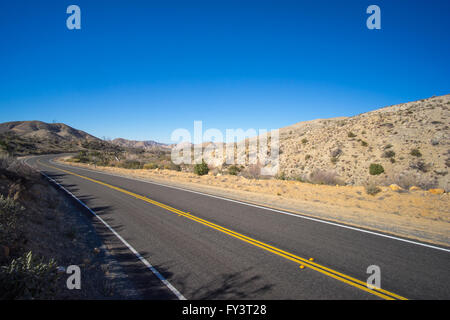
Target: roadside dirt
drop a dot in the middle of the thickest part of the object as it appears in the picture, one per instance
(52, 226)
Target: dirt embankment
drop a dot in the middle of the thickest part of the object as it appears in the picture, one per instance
(417, 214)
(36, 218)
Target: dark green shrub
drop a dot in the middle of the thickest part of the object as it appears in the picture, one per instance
(28, 278)
(150, 166)
(233, 170)
(376, 169)
(201, 168)
(363, 143)
(420, 166)
(282, 176)
(388, 154)
(416, 153)
(304, 140)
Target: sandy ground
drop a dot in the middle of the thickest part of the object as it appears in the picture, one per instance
(416, 214)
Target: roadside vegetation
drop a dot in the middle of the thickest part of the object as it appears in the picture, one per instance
(41, 234)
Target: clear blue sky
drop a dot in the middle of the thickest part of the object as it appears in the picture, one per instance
(140, 69)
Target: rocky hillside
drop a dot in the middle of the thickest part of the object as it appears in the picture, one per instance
(147, 145)
(36, 137)
(411, 142)
(45, 131)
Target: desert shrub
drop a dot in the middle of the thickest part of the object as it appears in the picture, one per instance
(333, 160)
(82, 157)
(234, 170)
(175, 167)
(408, 179)
(201, 168)
(419, 166)
(416, 153)
(388, 154)
(392, 160)
(376, 169)
(253, 171)
(304, 140)
(307, 157)
(388, 146)
(130, 164)
(351, 135)
(372, 189)
(28, 278)
(150, 166)
(325, 177)
(364, 143)
(282, 176)
(9, 215)
(336, 152)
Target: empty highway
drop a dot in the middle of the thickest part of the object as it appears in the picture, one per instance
(177, 244)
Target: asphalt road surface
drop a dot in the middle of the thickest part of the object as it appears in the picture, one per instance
(180, 244)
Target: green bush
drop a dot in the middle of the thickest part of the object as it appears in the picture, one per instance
(304, 140)
(388, 154)
(28, 278)
(364, 143)
(376, 169)
(351, 135)
(233, 170)
(416, 153)
(201, 168)
(150, 166)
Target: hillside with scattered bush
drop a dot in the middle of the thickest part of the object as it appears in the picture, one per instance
(36, 137)
(406, 144)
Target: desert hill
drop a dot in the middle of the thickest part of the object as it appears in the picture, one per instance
(410, 141)
(37, 137)
(45, 131)
(147, 145)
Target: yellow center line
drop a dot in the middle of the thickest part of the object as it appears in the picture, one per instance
(302, 261)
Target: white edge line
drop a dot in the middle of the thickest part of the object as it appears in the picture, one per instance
(298, 215)
(138, 255)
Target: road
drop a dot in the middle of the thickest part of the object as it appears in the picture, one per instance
(205, 247)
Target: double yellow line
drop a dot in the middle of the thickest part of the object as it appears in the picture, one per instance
(302, 261)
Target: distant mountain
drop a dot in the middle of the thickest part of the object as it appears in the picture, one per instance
(44, 131)
(37, 137)
(148, 144)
